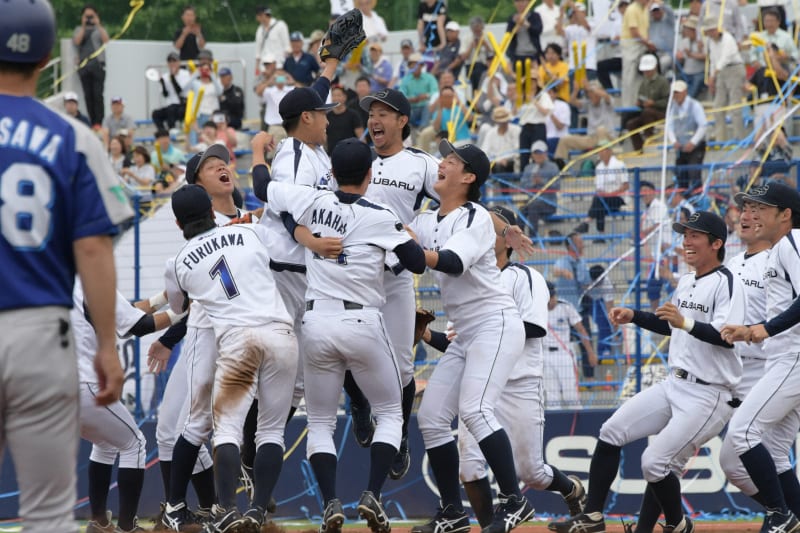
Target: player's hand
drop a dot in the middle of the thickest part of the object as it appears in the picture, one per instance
(411, 232)
(262, 142)
(109, 376)
(158, 357)
(450, 333)
(731, 333)
(670, 313)
(327, 247)
(758, 333)
(520, 242)
(620, 315)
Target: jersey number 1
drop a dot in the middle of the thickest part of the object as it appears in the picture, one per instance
(225, 277)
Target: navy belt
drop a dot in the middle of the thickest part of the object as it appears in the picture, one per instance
(553, 348)
(683, 374)
(349, 306)
(286, 267)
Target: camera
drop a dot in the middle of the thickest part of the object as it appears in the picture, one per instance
(89, 19)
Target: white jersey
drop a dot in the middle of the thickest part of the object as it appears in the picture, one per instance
(750, 270)
(367, 231)
(715, 298)
(530, 293)
(783, 287)
(295, 162)
(468, 231)
(223, 269)
(85, 336)
(403, 180)
(559, 321)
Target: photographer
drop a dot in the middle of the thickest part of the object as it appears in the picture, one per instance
(89, 37)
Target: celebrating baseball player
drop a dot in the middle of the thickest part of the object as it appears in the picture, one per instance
(770, 413)
(343, 326)
(59, 206)
(695, 401)
(458, 239)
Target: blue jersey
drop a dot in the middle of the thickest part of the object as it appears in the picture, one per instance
(56, 186)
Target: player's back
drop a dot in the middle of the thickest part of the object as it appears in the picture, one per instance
(783, 286)
(403, 181)
(56, 185)
(750, 269)
(529, 290)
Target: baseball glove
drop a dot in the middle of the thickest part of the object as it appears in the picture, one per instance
(421, 321)
(343, 36)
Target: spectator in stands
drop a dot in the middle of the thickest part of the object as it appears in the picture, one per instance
(363, 86)
(381, 68)
(578, 35)
(610, 183)
(431, 19)
(231, 101)
(475, 51)
(343, 122)
(609, 53)
(314, 44)
(451, 115)
(206, 137)
(600, 119)
(171, 156)
(525, 31)
(189, 39)
(88, 38)
(652, 100)
(655, 217)
(725, 74)
(550, 13)
(402, 68)
(272, 38)
(374, 26)
(299, 64)
(118, 120)
(141, 174)
(118, 154)
(554, 70)
(536, 177)
(271, 96)
(225, 134)
(557, 122)
(71, 108)
(765, 86)
(501, 141)
(691, 56)
(732, 19)
(662, 34)
(686, 132)
(634, 43)
(572, 279)
(450, 54)
(172, 85)
(205, 79)
(532, 116)
(773, 34)
(418, 86)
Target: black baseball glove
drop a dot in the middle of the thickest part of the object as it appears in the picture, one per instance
(343, 36)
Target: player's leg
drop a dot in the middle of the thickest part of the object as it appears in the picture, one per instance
(102, 458)
(292, 288)
(779, 441)
(474, 476)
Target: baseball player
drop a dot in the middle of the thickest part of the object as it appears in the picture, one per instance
(59, 206)
(343, 326)
(222, 270)
(693, 404)
(770, 412)
(560, 372)
(458, 239)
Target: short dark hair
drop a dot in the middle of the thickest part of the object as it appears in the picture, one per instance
(569, 238)
(188, 7)
(771, 11)
(721, 251)
(161, 133)
(141, 150)
(26, 70)
(362, 78)
(645, 183)
(339, 88)
(89, 6)
(555, 47)
(290, 124)
(209, 124)
(196, 227)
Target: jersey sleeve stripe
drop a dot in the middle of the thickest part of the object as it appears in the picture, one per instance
(298, 152)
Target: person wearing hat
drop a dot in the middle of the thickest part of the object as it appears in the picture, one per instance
(401, 68)
(535, 178)
(418, 86)
(726, 71)
(343, 122)
(686, 132)
(598, 106)
(704, 371)
(652, 100)
(662, 33)
(231, 101)
(374, 25)
(381, 74)
(691, 55)
(71, 108)
(634, 43)
(173, 82)
(189, 39)
(300, 65)
(118, 120)
(450, 54)
(272, 38)
(500, 141)
(459, 242)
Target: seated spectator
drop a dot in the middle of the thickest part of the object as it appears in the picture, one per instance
(343, 122)
(300, 65)
(691, 56)
(652, 99)
(141, 175)
(206, 137)
(381, 68)
(450, 55)
(536, 177)
(773, 34)
(118, 154)
(662, 34)
(611, 182)
(769, 112)
(557, 122)
(374, 25)
(117, 120)
(71, 108)
(173, 84)
(231, 101)
(554, 70)
(501, 141)
(418, 86)
(172, 157)
(686, 131)
(600, 119)
(402, 68)
(655, 217)
(451, 115)
(225, 134)
(532, 116)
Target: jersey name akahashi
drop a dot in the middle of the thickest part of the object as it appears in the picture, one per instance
(327, 218)
(393, 183)
(33, 141)
(211, 245)
(692, 305)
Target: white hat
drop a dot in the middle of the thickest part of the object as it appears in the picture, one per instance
(539, 146)
(648, 62)
(452, 25)
(70, 96)
(679, 86)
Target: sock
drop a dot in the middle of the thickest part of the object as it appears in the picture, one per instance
(248, 449)
(560, 483)
(649, 512)
(324, 466)
(602, 471)
(758, 499)
(165, 467)
(184, 456)
(479, 494)
(129, 483)
(381, 456)
(99, 481)
(791, 490)
(668, 493)
(267, 468)
(203, 483)
(761, 468)
(443, 461)
(226, 474)
(409, 392)
(353, 391)
(497, 450)
(292, 409)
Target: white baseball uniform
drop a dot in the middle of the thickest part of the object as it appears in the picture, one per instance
(560, 371)
(469, 378)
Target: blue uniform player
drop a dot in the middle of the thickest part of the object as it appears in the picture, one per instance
(58, 210)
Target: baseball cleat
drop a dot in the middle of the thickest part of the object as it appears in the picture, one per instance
(509, 513)
(363, 424)
(246, 482)
(447, 520)
(94, 526)
(230, 522)
(257, 516)
(136, 528)
(159, 525)
(372, 511)
(577, 498)
(777, 522)
(179, 518)
(333, 518)
(402, 461)
(583, 523)
(685, 526)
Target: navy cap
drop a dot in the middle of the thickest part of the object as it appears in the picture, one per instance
(351, 159)
(225, 72)
(472, 156)
(193, 166)
(191, 203)
(773, 194)
(706, 222)
(391, 97)
(505, 213)
(302, 99)
(173, 56)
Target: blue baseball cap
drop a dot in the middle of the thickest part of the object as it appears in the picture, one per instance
(302, 99)
(191, 203)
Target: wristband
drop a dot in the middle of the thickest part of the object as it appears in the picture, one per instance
(688, 324)
(174, 317)
(157, 300)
